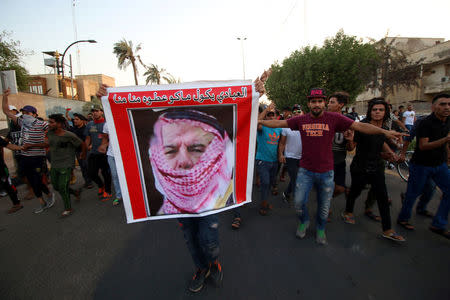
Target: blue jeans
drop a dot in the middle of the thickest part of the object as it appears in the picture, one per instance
(292, 167)
(324, 183)
(418, 176)
(427, 195)
(84, 169)
(202, 238)
(114, 176)
(267, 171)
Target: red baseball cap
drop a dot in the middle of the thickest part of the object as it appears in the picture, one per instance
(317, 93)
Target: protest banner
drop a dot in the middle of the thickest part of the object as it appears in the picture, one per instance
(183, 150)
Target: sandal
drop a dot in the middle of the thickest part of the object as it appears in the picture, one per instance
(263, 211)
(348, 219)
(236, 224)
(66, 213)
(393, 236)
(372, 216)
(275, 191)
(406, 225)
(443, 232)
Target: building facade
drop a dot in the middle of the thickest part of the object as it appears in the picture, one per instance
(434, 77)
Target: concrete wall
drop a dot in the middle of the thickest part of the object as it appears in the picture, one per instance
(52, 84)
(45, 105)
(88, 85)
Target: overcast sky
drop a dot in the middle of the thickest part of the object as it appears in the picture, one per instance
(197, 40)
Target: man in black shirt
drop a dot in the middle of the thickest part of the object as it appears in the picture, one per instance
(430, 160)
(366, 168)
(79, 126)
(5, 181)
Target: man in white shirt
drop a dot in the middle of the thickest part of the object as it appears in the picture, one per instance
(290, 152)
(410, 117)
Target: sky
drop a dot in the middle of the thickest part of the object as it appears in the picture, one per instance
(197, 40)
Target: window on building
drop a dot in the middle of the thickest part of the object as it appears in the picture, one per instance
(36, 89)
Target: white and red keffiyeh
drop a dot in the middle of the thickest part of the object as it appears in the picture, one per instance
(197, 189)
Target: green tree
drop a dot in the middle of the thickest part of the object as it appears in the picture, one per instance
(10, 59)
(394, 69)
(126, 55)
(343, 63)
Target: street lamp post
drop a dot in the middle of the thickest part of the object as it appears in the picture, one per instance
(242, 39)
(64, 53)
(61, 67)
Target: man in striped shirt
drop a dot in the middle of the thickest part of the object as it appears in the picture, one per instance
(33, 154)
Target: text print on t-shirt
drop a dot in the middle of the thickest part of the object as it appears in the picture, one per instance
(315, 129)
(273, 139)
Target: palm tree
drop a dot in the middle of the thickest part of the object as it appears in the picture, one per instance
(155, 74)
(126, 55)
(170, 79)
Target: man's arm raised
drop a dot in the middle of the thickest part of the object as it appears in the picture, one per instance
(274, 123)
(5, 106)
(371, 129)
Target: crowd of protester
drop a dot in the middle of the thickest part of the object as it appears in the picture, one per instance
(60, 142)
(328, 132)
(308, 148)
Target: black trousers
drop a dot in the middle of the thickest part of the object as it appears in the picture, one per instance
(376, 179)
(99, 162)
(32, 167)
(7, 186)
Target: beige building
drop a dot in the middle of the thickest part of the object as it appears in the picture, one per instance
(82, 87)
(434, 79)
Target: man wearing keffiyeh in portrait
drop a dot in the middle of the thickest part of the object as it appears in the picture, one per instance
(192, 162)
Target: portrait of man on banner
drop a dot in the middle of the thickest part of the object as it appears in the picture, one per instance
(189, 159)
(183, 150)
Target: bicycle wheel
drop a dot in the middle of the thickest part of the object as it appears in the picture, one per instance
(403, 168)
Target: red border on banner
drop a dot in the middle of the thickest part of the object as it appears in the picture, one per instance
(121, 102)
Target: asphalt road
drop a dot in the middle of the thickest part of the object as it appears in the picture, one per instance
(94, 254)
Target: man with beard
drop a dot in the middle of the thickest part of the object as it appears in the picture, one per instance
(317, 131)
(430, 161)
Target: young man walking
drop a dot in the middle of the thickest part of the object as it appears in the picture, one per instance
(32, 154)
(63, 148)
(96, 160)
(289, 153)
(342, 142)
(317, 130)
(430, 161)
(267, 156)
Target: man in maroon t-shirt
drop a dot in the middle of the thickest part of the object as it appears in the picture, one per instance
(317, 131)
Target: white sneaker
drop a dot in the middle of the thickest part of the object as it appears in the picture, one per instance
(51, 200)
(40, 209)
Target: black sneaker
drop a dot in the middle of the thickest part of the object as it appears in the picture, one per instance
(198, 280)
(216, 274)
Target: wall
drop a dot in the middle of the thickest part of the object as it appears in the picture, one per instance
(88, 85)
(45, 105)
(52, 84)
